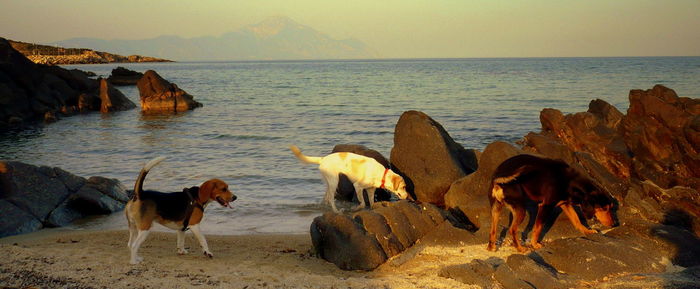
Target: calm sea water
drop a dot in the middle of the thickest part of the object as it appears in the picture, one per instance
(254, 110)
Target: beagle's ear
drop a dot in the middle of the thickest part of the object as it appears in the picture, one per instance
(205, 191)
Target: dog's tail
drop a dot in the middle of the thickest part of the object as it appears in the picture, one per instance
(138, 186)
(303, 158)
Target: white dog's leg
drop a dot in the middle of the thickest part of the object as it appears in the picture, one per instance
(135, 258)
(181, 242)
(202, 241)
(332, 182)
(370, 196)
(360, 197)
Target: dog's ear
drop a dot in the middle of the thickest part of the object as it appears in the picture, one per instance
(205, 191)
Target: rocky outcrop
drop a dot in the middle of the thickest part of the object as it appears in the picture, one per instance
(639, 248)
(30, 92)
(34, 197)
(53, 55)
(366, 239)
(428, 158)
(648, 159)
(346, 191)
(123, 76)
(159, 95)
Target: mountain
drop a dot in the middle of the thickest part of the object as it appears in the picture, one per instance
(276, 38)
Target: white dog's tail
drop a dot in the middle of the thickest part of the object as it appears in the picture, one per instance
(303, 158)
(138, 186)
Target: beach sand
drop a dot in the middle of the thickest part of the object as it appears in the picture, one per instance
(62, 258)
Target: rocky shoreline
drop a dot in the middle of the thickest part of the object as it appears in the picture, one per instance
(51, 55)
(33, 93)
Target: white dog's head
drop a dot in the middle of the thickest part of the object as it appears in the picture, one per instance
(397, 185)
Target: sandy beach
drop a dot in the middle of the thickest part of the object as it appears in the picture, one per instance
(62, 258)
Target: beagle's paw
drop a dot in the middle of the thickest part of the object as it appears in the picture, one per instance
(182, 251)
(208, 254)
(136, 261)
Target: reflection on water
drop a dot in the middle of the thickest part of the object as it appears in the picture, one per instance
(253, 111)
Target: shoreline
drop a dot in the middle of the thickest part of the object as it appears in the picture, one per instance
(99, 259)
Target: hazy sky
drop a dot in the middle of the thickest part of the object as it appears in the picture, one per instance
(395, 29)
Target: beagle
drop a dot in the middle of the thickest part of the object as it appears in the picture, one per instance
(364, 173)
(178, 210)
(550, 183)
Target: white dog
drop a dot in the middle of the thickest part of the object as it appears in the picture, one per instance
(363, 172)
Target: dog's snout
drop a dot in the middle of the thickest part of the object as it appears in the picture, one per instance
(233, 198)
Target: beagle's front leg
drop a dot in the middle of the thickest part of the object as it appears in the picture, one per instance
(202, 241)
(181, 242)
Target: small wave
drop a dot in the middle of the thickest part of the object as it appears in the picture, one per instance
(244, 137)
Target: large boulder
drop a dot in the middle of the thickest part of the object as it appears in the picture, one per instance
(112, 99)
(34, 197)
(366, 239)
(123, 76)
(159, 95)
(428, 158)
(346, 191)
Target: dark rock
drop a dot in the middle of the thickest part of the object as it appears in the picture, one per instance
(339, 240)
(346, 191)
(377, 224)
(470, 194)
(63, 215)
(368, 238)
(427, 157)
(159, 95)
(110, 187)
(32, 93)
(90, 201)
(112, 99)
(123, 76)
(37, 190)
(16, 221)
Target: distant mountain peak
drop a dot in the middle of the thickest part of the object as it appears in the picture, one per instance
(273, 26)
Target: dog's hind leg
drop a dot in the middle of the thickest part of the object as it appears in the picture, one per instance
(518, 217)
(142, 235)
(331, 187)
(202, 241)
(543, 211)
(496, 208)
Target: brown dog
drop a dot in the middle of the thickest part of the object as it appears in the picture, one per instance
(550, 183)
(178, 210)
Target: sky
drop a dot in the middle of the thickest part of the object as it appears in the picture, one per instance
(393, 28)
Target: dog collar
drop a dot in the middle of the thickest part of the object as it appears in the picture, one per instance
(384, 178)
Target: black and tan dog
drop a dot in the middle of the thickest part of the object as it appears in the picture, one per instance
(550, 183)
(178, 210)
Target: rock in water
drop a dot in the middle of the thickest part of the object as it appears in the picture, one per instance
(112, 99)
(427, 157)
(159, 95)
(123, 76)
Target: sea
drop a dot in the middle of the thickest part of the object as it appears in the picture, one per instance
(253, 111)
